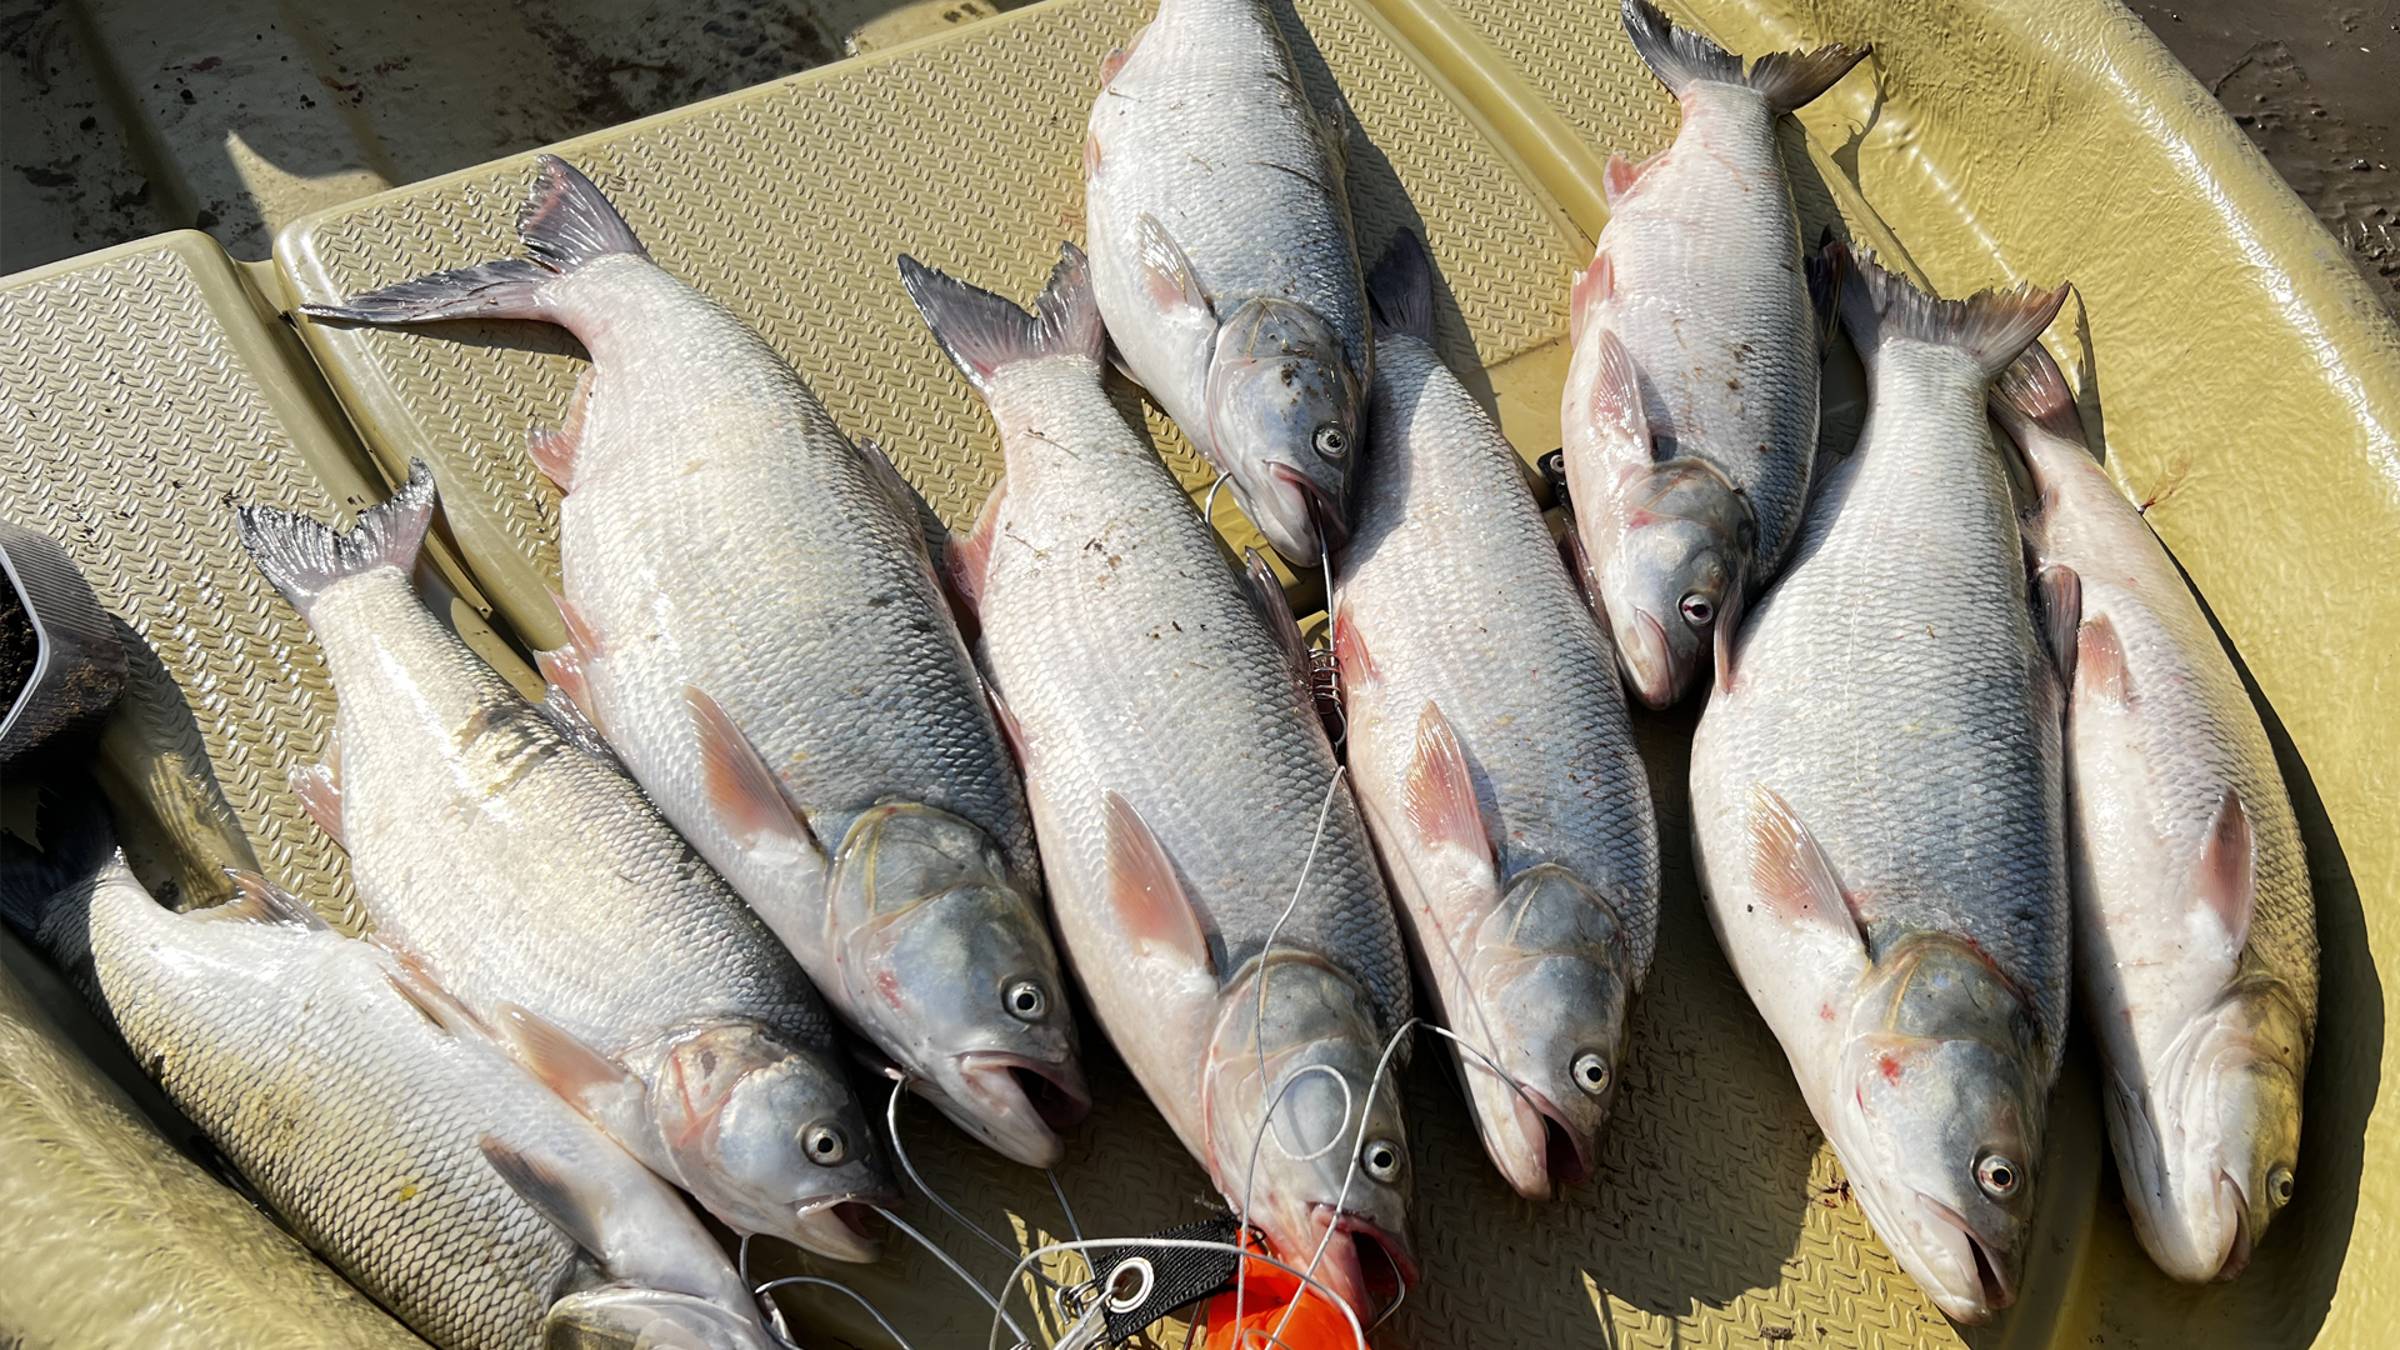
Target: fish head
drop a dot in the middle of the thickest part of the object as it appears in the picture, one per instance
(1313, 1156)
(1554, 983)
(1936, 1110)
(1283, 410)
(2210, 1162)
(1673, 584)
(630, 1317)
(952, 971)
(771, 1140)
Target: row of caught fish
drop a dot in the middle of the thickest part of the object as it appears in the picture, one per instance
(765, 634)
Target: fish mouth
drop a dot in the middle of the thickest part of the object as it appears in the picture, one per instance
(2237, 1252)
(1544, 1152)
(1362, 1262)
(1989, 1289)
(842, 1229)
(1326, 522)
(1018, 1105)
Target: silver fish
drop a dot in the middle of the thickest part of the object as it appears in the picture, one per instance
(2195, 926)
(1179, 774)
(539, 884)
(1489, 743)
(96, 1203)
(1877, 804)
(370, 1111)
(1223, 260)
(756, 626)
(1690, 410)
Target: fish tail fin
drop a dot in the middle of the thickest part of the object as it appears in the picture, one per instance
(304, 558)
(1880, 307)
(46, 885)
(565, 223)
(1401, 287)
(984, 333)
(1682, 58)
(2033, 394)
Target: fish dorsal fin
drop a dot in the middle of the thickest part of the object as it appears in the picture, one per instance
(2226, 877)
(1440, 799)
(1622, 175)
(576, 726)
(258, 900)
(741, 788)
(1277, 608)
(1791, 874)
(552, 1192)
(1167, 273)
(968, 560)
(319, 789)
(2058, 592)
(1146, 894)
(909, 502)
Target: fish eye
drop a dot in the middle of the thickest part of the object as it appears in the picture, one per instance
(1591, 1073)
(1998, 1175)
(825, 1143)
(1697, 609)
(1331, 441)
(1027, 1001)
(2279, 1184)
(1381, 1159)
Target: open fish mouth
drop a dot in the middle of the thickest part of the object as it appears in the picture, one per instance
(1026, 1097)
(2239, 1239)
(1363, 1262)
(1542, 1152)
(1323, 515)
(844, 1228)
(1988, 1289)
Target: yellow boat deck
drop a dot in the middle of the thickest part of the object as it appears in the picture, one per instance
(2248, 380)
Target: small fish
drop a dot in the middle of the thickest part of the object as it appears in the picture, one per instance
(2195, 926)
(1488, 739)
(1223, 261)
(1690, 409)
(1241, 955)
(97, 1203)
(539, 884)
(756, 626)
(1878, 804)
(370, 1111)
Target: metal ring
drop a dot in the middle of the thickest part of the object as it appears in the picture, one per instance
(1121, 1299)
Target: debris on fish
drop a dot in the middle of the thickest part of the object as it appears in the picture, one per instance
(1214, 887)
(1878, 804)
(2196, 936)
(371, 1111)
(1223, 259)
(1690, 409)
(539, 884)
(756, 625)
(1492, 755)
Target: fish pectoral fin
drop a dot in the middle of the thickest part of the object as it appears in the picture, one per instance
(1792, 875)
(1277, 609)
(2058, 607)
(553, 449)
(320, 794)
(1616, 409)
(1728, 629)
(258, 900)
(2226, 878)
(1144, 891)
(550, 1187)
(741, 788)
(549, 1052)
(1353, 660)
(1439, 796)
(966, 561)
(1167, 275)
(2100, 663)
